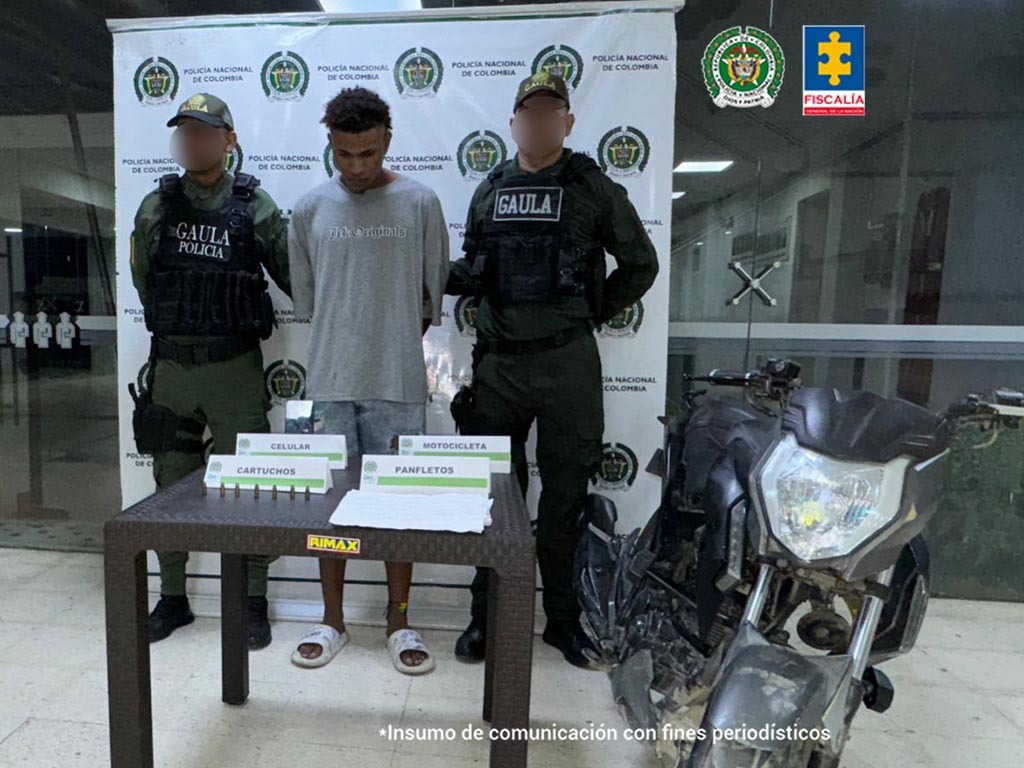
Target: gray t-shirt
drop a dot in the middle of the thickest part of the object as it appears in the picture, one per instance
(368, 268)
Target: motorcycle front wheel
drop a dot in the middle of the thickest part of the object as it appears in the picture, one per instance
(724, 755)
(822, 760)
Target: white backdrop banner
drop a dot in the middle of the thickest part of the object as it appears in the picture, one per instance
(450, 80)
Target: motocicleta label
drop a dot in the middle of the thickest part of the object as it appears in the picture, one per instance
(497, 449)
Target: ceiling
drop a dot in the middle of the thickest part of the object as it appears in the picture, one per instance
(56, 55)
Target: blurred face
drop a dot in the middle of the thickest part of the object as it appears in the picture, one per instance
(360, 156)
(541, 124)
(199, 147)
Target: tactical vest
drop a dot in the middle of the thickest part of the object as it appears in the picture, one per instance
(527, 254)
(206, 278)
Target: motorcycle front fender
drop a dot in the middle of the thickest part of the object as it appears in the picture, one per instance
(762, 690)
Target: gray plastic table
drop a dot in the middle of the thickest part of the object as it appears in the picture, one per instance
(181, 518)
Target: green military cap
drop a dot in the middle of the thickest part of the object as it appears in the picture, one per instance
(205, 108)
(542, 82)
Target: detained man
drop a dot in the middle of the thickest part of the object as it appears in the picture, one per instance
(368, 252)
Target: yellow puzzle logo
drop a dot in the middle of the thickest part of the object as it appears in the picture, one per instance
(834, 67)
(316, 543)
(834, 70)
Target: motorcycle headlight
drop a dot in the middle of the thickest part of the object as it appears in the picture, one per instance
(820, 507)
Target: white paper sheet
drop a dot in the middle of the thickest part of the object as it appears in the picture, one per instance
(458, 512)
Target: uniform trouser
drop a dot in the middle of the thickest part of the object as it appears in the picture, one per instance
(562, 390)
(229, 397)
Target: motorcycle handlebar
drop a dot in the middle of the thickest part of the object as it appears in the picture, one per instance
(727, 378)
(978, 407)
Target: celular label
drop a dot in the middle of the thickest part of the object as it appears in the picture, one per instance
(330, 447)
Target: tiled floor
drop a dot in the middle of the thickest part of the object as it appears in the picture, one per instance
(960, 694)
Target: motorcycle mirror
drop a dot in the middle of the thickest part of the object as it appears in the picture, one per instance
(656, 466)
(600, 512)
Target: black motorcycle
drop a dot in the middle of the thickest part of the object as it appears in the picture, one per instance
(794, 511)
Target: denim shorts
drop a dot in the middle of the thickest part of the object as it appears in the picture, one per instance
(370, 426)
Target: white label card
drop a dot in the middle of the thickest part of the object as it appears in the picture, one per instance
(426, 474)
(330, 447)
(265, 472)
(497, 449)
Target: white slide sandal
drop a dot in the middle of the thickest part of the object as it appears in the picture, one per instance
(409, 640)
(328, 638)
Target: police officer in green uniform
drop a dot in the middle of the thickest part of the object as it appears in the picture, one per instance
(535, 242)
(199, 247)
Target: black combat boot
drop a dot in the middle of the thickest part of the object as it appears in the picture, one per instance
(570, 640)
(259, 624)
(471, 647)
(170, 613)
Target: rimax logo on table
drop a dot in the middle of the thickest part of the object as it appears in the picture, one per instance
(333, 544)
